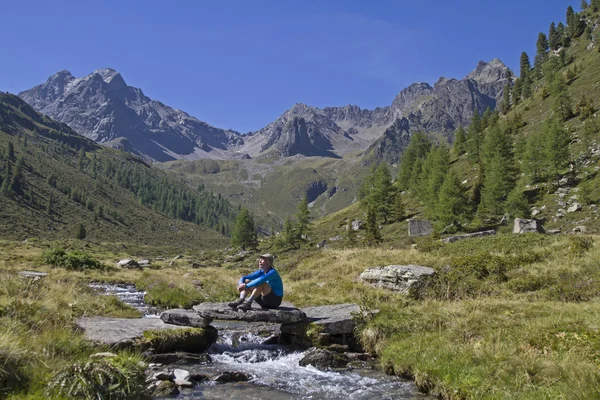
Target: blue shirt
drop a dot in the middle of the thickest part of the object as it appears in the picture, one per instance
(259, 277)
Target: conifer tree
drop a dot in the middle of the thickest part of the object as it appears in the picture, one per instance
(398, 211)
(517, 204)
(562, 104)
(303, 218)
(289, 234)
(453, 204)
(560, 28)
(81, 232)
(525, 66)
(542, 46)
(417, 149)
(49, 205)
(504, 105)
(244, 231)
(372, 234)
(81, 159)
(534, 158)
(434, 171)
(556, 139)
(474, 137)
(499, 166)
(381, 197)
(10, 151)
(16, 180)
(460, 135)
(583, 5)
(554, 39)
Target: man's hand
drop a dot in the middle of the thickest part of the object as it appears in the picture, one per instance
(241, 287)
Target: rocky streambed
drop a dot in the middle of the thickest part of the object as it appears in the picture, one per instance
(257, 355)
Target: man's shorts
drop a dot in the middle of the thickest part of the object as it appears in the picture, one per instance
(270, 301)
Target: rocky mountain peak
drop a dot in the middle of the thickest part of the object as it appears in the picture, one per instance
(489, 72)
(113, 79)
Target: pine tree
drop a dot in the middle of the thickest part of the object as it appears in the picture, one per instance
(525, 66)
(533, 157)
(372, 234)
(542, 46)
(562, 104)
(556, 139)
(16, 180)
(81, 232)
(303, 218)
(289, 234)
(10, 151)
(434, 171)
(398, 211)
(505, 104)
(583, 5)
(564, 41)
(81, 160)
(417, 149)
(570, 18)
(517, 204)
(554, 39)
(244, 231)
(382, 198)
(460, 136)
(453, 204)
(474, 137)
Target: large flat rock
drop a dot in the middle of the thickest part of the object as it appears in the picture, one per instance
(395, 277)
(333, 319)
(120, 331)
(183, 317)
(283, 315)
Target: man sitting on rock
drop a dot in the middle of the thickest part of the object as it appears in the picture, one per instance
(264, 286)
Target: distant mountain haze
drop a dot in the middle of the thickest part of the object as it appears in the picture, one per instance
(101, 106)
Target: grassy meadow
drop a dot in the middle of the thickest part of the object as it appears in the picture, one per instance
(510, 316)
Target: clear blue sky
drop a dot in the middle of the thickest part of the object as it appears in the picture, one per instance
(240, 64)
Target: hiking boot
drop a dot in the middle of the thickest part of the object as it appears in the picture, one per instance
(235, 304)
(246, 306)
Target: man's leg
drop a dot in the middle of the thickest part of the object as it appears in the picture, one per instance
(240, 300)
(261, 290)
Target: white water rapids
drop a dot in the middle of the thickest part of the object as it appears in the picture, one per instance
(274, 370)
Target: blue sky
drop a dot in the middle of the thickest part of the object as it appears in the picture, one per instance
(240, 64)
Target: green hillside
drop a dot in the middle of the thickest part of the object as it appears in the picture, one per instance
(53, 182)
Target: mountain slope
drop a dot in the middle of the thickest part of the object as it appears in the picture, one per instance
(66, 179)
(102, 107)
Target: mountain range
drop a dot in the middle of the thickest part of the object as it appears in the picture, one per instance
(102, 107)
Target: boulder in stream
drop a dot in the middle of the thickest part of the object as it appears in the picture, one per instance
(284, 314)
(183, 317)
(323, 359)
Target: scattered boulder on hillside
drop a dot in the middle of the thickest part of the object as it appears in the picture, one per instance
(456, 238)
(574, 208)
(579, 229)
(33, 274)
(527, 226)
(322, 244)
(336, 238)
(128, 263)
(144, 263)
(553, 231)
(183, 317)
(357, 224)
(396, 277)
(419, 227)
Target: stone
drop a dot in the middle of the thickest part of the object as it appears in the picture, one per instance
(575, 207)
(535, 212)
(395, 277)
(504, 220)
(183, 384)
(163, 376)
(128, 263)
(332, 319)
(129, 332)
(183, 317)
(527, 226)
(181, 374)
(284, 314)
(357, 224)
(180, 358)
(227, 377)
(322, 244)
(165, 388)
(553, 231)
(336, 238)
(579, 229)
(324, 359)
(143, 263)
(33, 274)
(177, 257)
(456, 238)
(418, 227)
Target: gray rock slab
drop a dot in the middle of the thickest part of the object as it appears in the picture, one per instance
(395, 277)
(332, 319)
(456, 238)
(527, 226)
(120, 331)
(33, 274)
(284, 314)
(183, 317)
(419, 227)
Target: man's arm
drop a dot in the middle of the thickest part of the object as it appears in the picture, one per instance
(250, 277)
(260, 279)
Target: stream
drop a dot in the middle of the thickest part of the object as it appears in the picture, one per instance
(273, 369)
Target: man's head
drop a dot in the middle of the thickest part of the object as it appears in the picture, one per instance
(265, 261)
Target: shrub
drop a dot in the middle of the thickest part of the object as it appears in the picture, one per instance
(121, 377)
(73, 260)
(578, 245)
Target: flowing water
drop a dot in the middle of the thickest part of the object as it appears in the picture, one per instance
(274, 370)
